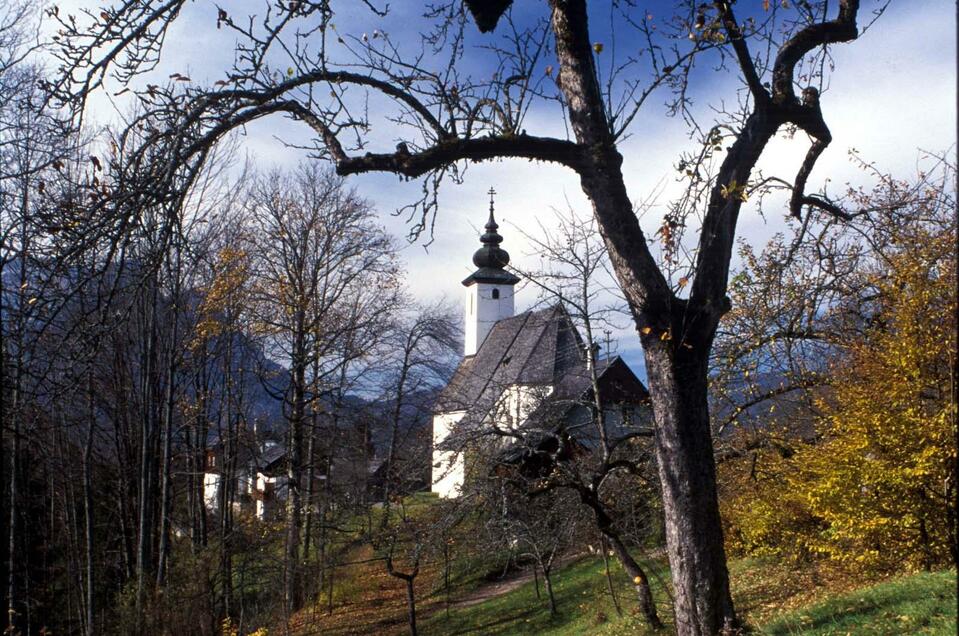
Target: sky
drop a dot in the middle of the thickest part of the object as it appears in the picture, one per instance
(892, 94)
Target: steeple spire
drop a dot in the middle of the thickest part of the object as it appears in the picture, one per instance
(489, 296)
(491, 259)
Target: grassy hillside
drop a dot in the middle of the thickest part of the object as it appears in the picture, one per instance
(917, 604)
(772, 598)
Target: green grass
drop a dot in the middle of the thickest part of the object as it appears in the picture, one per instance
(582, 598)
(914, 604)
(918, 604)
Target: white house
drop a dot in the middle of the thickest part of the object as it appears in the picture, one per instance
(260, 479)
(520, 369)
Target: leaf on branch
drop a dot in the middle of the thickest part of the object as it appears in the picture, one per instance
(598, 47)
(734, 191)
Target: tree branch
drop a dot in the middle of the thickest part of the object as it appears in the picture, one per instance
(743, 56)
(842, 29)
(480, 149)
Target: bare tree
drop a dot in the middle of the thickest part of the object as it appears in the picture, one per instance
(296, 60)
(316, 246)
(544, 529)
(422, 350)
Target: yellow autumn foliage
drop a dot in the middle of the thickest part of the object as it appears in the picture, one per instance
(876, 488)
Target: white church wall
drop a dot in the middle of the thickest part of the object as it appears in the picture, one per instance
(448, 467)
(517, 402)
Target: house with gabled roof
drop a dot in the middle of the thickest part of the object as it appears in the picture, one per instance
(524, 378)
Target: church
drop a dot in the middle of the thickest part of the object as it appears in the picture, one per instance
(524, 378)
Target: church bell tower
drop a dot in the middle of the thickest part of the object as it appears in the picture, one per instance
(489, 290)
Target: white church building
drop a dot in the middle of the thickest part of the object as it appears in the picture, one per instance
(524, 372)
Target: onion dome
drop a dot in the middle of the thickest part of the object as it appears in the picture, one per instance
(491, 259)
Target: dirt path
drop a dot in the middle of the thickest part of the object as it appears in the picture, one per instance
(376, 602)
(493, 590)
(506, 585)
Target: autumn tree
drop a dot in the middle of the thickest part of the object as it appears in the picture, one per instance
(869, 486)
(883, 480)
(300, 60)
(317, 246)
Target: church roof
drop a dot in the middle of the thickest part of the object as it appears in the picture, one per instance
(532, 348)
(536, 348)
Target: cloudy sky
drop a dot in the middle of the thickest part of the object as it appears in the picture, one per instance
(892, 94)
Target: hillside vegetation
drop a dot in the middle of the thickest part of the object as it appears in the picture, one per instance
(774, 599)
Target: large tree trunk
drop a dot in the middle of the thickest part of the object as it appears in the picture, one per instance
(678, 385)
(687, 472)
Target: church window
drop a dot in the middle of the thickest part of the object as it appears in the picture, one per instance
(495, 294)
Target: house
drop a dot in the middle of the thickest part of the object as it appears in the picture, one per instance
(341, 453)
(259, 478)
(524, 378)
(268, 483)
(214, 485)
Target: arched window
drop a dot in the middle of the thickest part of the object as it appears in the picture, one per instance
(495, 294)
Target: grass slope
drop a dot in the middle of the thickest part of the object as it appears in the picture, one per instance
(582, 597)
(917, 604)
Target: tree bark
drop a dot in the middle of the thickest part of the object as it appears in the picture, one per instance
(639, 579)
(408, 579)
(687, 472)
(148, 442)
(411, 606)
(548, 582)
(88, 510)
(166, 486)
(292, 583)
(604, 546)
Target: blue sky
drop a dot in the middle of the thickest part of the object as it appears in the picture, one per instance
(893, 92)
